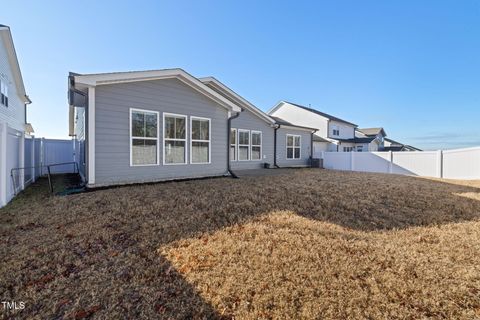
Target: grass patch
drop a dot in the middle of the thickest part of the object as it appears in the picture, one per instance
(305, 243)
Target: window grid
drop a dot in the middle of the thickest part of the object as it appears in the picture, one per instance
(144, 137)
(258, 145)
(294, 146)
(192, 140)
(165, 139)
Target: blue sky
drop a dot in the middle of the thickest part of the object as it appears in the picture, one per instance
(412, 67)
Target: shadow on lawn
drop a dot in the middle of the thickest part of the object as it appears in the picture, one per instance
(98, 250)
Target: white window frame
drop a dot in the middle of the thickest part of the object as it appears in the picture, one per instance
(243, 145)
(299, 147)
(145, 138)
(168, 114)
(209, 139)
(251, 145)
(235, 144)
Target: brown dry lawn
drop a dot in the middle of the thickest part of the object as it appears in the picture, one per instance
(302, 244)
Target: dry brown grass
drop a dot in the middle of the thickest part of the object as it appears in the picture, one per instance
(304, 244)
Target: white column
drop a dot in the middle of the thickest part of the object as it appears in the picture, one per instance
(3, 164)
(91, 135)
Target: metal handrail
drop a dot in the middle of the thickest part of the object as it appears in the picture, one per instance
(76, 170)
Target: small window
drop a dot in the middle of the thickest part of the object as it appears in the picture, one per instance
(200, 140)
(243, 145)
(335, 131)
(143, 137)
(359, 148)
(233, 144)
(4, 93)
(256, 145)
(347, 149)
(294, 143)
(175, 139)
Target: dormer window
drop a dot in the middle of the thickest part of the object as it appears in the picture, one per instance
(3, 93)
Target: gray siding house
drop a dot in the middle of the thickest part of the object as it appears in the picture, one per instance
(257, 138)
(147, 126)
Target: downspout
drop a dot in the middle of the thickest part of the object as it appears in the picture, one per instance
(311, 147)
(229, 126)
(275, 146)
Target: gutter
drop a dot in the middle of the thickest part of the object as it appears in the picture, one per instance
(229, 127)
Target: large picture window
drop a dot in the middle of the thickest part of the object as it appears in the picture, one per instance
(175, 139)
(200, 140)
(256, 145)
(294, 143)
(233, 144)
(143, 137)
(243, 145)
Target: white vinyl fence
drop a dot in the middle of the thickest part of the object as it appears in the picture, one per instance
(41, 152)
(450, 164)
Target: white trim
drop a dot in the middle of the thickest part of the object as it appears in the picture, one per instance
(243, 145)
(209, 139)
(131, 110)
(232, 94)
(91, 135)
(3, 163)
(294, 147)
(251, 145)
(175, 115)
(15, 66)
(234, 144)
(135, 76)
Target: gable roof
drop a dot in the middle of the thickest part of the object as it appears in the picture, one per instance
(372, 131)
(6, 37)
(394, 142)
(323, 114)
(97, 79)
(236, 98)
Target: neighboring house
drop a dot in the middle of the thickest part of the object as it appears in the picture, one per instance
(392, 145)
(333, 134)
(13, 125)
(373, 139)
(146, 126)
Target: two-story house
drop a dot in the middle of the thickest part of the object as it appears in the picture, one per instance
(373, 139)
(333, 134)
(13, 125)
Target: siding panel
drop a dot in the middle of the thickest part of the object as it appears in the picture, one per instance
(282, 148)
(249, 121)
(112, 139)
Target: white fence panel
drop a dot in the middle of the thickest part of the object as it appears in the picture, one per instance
(423, 163)
(461, 163)
(337, 160)
(37, 161)
(28, 163)
(58, 151)
(371, 161)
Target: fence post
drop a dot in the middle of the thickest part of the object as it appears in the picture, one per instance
(390, 162)
(32, 152)
(440, 164)
(352, 161)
